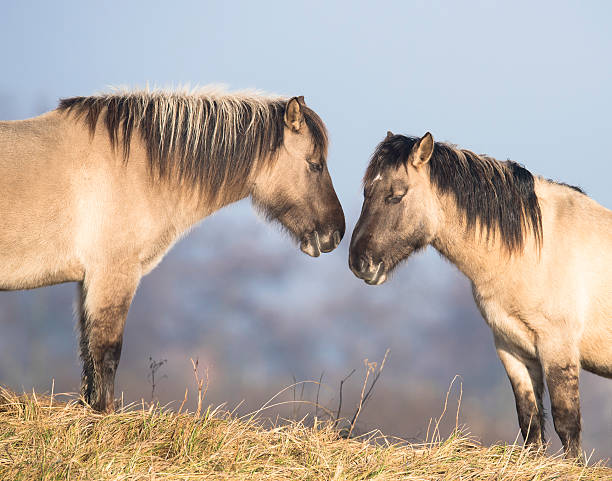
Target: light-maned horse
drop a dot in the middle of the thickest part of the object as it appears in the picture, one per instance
(538, 254)
(98, 190)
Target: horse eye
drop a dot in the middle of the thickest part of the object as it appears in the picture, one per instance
(315, 167)
(394, 199)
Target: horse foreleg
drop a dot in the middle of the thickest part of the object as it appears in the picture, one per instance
(528, 385)
(562, 368)
(562, 381)
(105, 299)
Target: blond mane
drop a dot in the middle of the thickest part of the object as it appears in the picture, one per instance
(207, 138)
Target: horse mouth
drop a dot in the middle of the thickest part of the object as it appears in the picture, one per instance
(311, 244)
(371, 274)
(378, 276)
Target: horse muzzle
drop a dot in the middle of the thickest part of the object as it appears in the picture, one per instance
(314, 243)
(372, 273)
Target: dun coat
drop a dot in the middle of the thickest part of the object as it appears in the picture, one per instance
(98, 190)
(538, 254)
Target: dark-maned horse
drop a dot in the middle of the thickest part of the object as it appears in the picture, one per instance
(99, 189)
(538, 253)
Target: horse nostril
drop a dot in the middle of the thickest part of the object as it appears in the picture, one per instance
(337, 238)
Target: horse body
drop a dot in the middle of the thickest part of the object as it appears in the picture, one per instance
(69, 203)
(549, 308)
(546, 299)
(565, 282)
(84, 200)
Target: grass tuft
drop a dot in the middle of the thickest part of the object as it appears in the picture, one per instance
(43, 438)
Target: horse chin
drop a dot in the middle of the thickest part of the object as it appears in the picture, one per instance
(311, 245)
(378, 280)
(380, 275)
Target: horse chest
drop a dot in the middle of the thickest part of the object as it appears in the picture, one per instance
(505, 324)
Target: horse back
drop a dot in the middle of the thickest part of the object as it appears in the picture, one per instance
(70, 203)
(577, 262)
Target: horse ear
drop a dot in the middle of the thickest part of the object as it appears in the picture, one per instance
(389, 134)
(293, 115)
(301, 100)
(422, 150)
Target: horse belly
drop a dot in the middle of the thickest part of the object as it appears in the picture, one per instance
(596, 301)
(596, 341)
(35, 222)
(31, 257)
(30, 275)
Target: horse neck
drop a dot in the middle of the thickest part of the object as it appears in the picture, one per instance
(479, 258)
(196, 205)
(187, 205)
(202, 204)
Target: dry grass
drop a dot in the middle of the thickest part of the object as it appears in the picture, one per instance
(41, 438)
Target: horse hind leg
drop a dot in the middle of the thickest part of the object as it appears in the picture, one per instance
(527, 383)
(104, 304)
(84, 352)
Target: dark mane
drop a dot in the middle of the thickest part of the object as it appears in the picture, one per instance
(210, 140)
(497, 196)
(569, 186)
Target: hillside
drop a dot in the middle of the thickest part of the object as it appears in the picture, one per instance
(55, 439)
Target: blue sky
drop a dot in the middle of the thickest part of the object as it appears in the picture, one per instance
(530, 81)
(523, 80)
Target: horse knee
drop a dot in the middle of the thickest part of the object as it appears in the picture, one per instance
(106, 357)
(568, 427)
(101, 350)
(531, 418)
(105, 362)
(563, 386)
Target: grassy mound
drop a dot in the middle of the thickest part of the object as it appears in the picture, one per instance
(41, 438)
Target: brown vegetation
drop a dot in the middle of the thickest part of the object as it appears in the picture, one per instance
(51, 439)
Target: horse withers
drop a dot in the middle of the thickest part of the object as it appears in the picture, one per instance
(538, 254)
(98, 190)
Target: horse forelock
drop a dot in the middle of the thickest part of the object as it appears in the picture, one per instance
(497, 197)
(206, 138)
